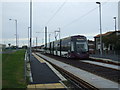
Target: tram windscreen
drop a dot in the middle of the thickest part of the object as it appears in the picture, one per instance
(81, 46)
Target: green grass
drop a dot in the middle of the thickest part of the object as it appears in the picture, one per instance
(13, 70)
(0, 70)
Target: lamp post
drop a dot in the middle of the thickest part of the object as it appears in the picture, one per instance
(16, 30)
(100, 27)
(115, 22)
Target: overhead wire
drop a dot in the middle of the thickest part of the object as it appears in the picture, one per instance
(81, 17)
(56, 12)
(77, 19)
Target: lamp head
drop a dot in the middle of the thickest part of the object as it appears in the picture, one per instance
(97, 2)
(114, 17)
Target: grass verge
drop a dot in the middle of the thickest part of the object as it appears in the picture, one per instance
(0, 71)
(13, 70)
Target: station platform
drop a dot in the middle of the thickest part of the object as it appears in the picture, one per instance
(43, 76)
(96, 81)
(116, 67)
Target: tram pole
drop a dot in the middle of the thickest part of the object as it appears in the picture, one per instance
(45, 38)
(30, 30)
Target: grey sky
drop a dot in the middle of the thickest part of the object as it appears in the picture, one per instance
(73, 18)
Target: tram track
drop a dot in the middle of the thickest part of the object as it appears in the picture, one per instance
(79, 83)
(104, 72)
(76, 81)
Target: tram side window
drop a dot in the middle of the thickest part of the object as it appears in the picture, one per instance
(72, 46)
(65, 45)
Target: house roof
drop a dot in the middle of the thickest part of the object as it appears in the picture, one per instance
(105, 34)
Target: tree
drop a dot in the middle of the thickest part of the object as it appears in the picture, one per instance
(9, 44)
(112, 39)
(24, 47)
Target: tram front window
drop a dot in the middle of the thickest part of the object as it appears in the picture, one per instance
(81, 46)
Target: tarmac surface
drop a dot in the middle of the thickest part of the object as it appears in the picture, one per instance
(41, 73)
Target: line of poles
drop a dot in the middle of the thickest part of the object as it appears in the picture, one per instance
(56, 33)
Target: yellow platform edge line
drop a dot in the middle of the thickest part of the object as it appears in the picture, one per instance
(46, 86)
(40, 59)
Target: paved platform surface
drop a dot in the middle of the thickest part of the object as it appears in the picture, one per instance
(41, 73)
(103, 64)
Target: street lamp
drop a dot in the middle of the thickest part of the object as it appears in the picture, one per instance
(16, 30)
(100, 27)
(115, 22)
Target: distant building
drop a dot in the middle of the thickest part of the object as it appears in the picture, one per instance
(2, 46)
(91, 45)
(110, 40)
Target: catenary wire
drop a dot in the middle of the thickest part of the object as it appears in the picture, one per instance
(56, 12)
(81, 17)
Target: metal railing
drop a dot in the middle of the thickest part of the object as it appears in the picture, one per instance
(112, 54)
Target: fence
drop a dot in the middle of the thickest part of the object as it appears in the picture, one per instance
(114, 55)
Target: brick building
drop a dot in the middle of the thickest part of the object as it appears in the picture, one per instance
(110, 41)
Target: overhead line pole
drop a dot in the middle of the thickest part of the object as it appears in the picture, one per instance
(49, 38)
(59, 33)
(36, 43)
(28, 36)
(30, 29)
(45, 38)
(115, 23)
